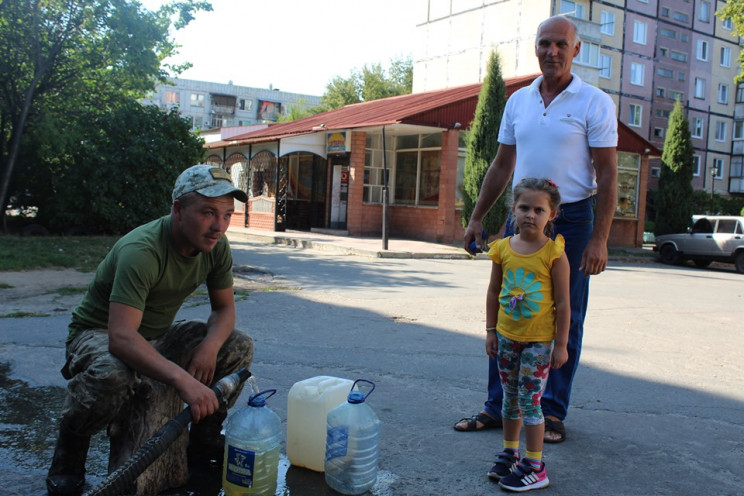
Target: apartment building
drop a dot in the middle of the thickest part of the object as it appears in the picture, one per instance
(217, 105)
(644, 53)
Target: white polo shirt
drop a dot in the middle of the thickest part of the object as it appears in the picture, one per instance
(554, 142)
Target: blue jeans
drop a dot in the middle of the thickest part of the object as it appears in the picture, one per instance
(575, 222)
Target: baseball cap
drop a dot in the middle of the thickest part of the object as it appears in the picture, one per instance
(207, 180)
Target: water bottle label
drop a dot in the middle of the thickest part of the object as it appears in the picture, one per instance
(337, 441)
(240, 465)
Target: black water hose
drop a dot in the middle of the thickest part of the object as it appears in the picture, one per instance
(119, 481)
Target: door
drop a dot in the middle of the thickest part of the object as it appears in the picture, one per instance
(339, 194)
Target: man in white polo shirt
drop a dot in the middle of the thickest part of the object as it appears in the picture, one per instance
(565, 130)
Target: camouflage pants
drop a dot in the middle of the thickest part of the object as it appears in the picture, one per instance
(100, 384)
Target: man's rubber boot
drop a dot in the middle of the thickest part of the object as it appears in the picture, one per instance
(206, 441)
(67, 474)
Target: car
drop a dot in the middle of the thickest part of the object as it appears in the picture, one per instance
(712, 238)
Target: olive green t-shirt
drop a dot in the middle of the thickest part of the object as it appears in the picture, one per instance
(143, 270)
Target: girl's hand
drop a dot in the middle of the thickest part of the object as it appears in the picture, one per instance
(558, 357)
(492, 344)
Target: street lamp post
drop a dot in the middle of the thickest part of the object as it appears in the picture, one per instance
(713, 174)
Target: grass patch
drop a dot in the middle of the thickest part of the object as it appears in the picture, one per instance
(83, 253)
(70, 290)
(19, 315)
(5, 285)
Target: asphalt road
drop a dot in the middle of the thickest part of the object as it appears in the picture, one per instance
(657, 407)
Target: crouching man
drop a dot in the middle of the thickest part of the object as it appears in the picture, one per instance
(124, 326)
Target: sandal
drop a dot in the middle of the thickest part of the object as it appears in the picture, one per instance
(486, 422)
(557, 427)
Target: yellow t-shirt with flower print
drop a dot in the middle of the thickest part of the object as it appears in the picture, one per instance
(526, 304)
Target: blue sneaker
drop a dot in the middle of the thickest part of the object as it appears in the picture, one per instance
(504, 464)
(525, 478)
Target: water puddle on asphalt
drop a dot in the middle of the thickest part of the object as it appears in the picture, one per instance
(28, 431)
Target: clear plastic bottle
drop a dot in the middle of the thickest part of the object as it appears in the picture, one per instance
(353, 438)
(252, 439)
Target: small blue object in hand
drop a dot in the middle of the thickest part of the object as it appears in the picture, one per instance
(474, 248)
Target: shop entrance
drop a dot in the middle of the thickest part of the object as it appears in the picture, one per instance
(339, 166)
(306, 191)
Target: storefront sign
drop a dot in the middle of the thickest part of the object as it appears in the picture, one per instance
(336, 143)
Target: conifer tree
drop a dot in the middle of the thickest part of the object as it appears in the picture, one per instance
(482, 145)
(673, 203)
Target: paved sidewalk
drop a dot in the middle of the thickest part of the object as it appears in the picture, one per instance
(333, 242)
(338, 243)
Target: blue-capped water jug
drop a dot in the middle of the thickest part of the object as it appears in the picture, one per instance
(252, 439)
(352, 442)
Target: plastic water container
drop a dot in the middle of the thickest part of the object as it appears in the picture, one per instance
(252, 439)
(353, 438)
(308, 404)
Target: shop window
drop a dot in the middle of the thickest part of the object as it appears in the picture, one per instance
(414, 172)
(628, 167)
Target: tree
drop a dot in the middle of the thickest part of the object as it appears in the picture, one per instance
(482, 145)
(120, 176)
(372, 82)
(297, 110)
(68, 57)
(674, 198)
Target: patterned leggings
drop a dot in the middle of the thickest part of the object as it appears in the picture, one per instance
(523, 368)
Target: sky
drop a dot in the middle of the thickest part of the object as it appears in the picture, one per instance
(297, 46)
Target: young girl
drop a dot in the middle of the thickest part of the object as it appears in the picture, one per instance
(527, 309)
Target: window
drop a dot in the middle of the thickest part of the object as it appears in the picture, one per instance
(669, 33)
(663, 114)
(725, 57)
(605, 66)
(700, 88)
(723, 93)
(171, 97)
(738, 130)
(704, 14)
(665, 72)
(663, 52)
(588, 55)
(655, 172)
(416, 170)
(245, 104)
(658, 132)
(634, 115)
(636, 74)
(677, 95)
(702, 50)
(374, 168)
(697, 127)
(696, 165)
(660, 92)
(665, 11)
(727, 24)
(740, 93)
(720, 131)
(197, 99)
(684, 37)
(572, 9)
(607, 23)
(680, 76)
(681, 16)
(639, 32)
(718, 167)
(679, 56)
